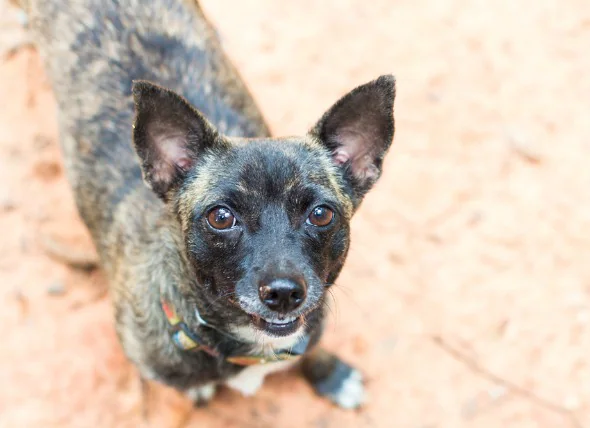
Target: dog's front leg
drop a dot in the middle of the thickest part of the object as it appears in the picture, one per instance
(333, 378)
(201, 395)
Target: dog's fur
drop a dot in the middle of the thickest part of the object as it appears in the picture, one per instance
(202, 142)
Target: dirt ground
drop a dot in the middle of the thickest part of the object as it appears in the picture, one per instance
(466, 296)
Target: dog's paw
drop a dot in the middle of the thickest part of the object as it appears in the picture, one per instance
(201, 395)
(344, 387)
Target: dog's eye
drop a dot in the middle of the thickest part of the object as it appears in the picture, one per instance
(320, 216)
(221, 218)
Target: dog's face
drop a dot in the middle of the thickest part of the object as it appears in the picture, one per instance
(266, 227)
(265, 221)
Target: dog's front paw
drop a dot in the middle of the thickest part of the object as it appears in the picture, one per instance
(344, 387)
(201, 395)
(334, 379)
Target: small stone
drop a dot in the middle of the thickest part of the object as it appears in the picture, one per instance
(433, 97)
(396, 258)
(497, 392)
(469, 409)
(7, 204)
(388, 345)
(56, 289)
(524, 147)
(322, 422)
(571, 402)
(24, 243)
(47, 169)
(434, 237)
(22, 18)
(22, 301)
(475, 218)
(41, 141)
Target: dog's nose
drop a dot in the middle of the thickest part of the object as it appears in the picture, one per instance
(283, 295)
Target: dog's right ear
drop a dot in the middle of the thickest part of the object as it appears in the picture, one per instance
(168, 135)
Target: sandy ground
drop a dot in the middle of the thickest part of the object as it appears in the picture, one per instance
(466, 296)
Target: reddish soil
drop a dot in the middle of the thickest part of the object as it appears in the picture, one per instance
(466, 297)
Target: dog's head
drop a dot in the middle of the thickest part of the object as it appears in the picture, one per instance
(265, 221)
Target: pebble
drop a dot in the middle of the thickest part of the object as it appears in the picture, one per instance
(56, 288)
(524, 147)
(571, 402)
(41, 141)
(497, 392)
(22, 18)
(389, 344)
(7, 204)
(433, 97)
(469, 409)
(22, 301)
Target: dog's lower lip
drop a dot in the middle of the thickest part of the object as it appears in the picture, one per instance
(278, 327)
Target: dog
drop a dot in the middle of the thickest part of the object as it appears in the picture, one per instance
(220, 242)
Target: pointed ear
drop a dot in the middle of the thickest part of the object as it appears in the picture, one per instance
(358, 131)
(168, 135)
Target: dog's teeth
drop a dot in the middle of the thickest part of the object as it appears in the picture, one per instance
(278, 321)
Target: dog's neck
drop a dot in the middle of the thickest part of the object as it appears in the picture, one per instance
(229, 348)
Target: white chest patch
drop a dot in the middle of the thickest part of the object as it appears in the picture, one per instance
(249, 380)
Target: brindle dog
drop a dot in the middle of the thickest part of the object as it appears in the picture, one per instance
(219, 267)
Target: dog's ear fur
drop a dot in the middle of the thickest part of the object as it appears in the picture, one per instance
(358, 131)
(168, 135)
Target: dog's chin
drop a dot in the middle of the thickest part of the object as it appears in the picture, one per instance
(277, 327)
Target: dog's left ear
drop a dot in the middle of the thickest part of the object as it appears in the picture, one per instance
(358, 131)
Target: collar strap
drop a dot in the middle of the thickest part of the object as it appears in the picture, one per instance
(188, 341)
(181, 335)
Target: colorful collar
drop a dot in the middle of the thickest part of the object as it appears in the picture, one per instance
(187, 340)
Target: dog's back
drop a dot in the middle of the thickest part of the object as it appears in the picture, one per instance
(93, 50)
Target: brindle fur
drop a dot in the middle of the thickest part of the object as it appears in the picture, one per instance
(93, 51)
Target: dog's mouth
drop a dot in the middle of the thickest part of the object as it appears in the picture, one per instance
(277, 326)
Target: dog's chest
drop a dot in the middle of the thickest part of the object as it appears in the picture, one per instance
(250, 379)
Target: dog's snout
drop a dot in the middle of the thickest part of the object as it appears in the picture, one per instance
(283, 295)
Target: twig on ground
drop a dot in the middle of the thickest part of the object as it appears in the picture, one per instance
(77, 259)
(509, 385)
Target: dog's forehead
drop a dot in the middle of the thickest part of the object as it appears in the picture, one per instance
(256, 172)
(266, 165)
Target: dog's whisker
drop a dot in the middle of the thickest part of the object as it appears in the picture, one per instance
(218, 299)
(332, 305)
(347, 292)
